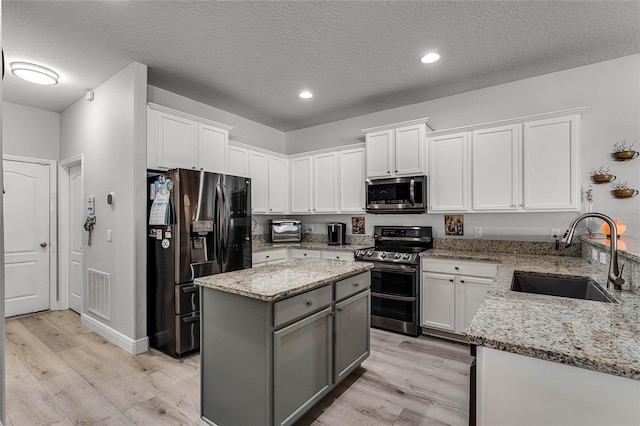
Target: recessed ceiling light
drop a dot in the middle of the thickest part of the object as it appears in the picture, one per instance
(430, 58)
(34, 73)
(306, 95)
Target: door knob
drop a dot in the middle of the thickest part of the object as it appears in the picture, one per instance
(43, 244)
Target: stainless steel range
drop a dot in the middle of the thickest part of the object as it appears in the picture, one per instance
(395, 289)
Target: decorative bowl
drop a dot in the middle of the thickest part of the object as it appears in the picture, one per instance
(603, 178)
(625, 193)
(625, 155)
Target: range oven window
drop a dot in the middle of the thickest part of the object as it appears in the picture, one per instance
(400, 310)
(399, 283)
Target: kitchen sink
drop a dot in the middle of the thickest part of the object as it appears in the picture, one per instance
(574, 287)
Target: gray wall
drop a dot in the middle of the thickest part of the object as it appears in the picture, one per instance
(610, 90)
(30, 132)
(244, 130)
(111, 133)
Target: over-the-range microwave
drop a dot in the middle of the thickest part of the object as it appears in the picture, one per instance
(397, 195)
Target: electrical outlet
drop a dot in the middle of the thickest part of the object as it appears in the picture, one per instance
(594, 255)
(554, 234)
(478, 231)
(603, 258)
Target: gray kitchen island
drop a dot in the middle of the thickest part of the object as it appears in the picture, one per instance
(276, 339)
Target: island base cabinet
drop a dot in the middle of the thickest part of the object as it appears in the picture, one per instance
(352, 322)
(302, 365)
(514, 390)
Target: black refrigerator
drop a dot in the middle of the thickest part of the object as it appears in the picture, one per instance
(199, 224)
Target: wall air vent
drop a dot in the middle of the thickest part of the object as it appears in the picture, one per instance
(99, 293)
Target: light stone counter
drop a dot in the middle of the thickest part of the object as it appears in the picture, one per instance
(262, 246)
(273, 282)
(598, 336)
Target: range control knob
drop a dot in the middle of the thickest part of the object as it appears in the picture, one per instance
(383, 255)
(397, 255)
(406, 256)
(369, 253)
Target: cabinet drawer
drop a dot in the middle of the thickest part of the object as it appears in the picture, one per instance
(339, 255)
(301, 305)
(460, 267)
(352, 285)
(305, 254)
(270, 256)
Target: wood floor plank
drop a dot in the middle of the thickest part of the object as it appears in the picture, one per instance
(53, 337)
(35, 355)
(28, 403)
(411, 418)
(156, 412)
(184, 398)
(68, 321)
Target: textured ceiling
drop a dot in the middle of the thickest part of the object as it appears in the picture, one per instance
(252, 58)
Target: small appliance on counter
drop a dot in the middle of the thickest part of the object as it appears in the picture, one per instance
(336, 233)
(286, 230)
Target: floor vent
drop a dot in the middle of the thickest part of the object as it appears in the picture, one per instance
(98, 293)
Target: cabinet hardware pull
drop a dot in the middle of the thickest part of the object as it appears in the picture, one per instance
(267, 256)
(456, 268)
(450, 280)
(396, 171)
(356, 284)
(461, 281)
(309, 302)
(339, 309)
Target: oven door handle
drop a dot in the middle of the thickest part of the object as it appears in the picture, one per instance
(403, 270)
(393, 297)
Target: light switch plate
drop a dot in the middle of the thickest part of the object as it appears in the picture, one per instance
(594, 255)
(478, 231)
(603, 258)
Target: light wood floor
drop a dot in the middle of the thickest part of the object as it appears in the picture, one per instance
(58, 372)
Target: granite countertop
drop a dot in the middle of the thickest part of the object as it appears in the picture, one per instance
(597, 336)
(307, 246)
(272, 282)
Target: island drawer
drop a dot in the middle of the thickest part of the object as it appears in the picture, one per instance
(270, 255)
(460, 267)
(301, 305)
(305, 254)
(352, 285)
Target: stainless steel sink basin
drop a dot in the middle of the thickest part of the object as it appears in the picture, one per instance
(574, 287)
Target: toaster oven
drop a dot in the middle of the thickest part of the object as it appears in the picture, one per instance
(286, 230)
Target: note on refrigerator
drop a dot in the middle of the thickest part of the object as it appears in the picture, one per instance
(159, 214)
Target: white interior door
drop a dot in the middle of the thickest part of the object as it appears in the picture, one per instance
(26, 237)
(75, 238)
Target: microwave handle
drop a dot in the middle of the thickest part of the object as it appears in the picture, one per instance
(412, 191)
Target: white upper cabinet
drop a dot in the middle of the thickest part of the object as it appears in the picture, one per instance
(352, 177)
(277, 185)
(259, 174)
(496, 168)
(397, 149)
(179, 140)
(237, 161)
(551, 164)
(325, 182)
(302, 184)
(449, 173)
(379, 149)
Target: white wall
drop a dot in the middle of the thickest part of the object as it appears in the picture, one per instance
(244, 130)
(610, 90)
(30, 132)
(111, 133)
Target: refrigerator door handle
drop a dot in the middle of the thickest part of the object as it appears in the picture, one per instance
(226, 213)
(219, 219)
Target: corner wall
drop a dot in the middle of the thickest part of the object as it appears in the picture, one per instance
(30, 132)
(110, 132)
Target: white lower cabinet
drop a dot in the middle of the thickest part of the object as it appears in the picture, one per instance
(269, 257)
(305, 254)
(338, 255)
(452, 291)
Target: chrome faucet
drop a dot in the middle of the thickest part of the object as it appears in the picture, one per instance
(615, 274)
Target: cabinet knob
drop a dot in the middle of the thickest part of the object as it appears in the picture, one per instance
(309, 302)
(462, 281)
(193, 167)
(396, 171)
(339, 309)
(450, 280)
(267, 256)
(309, 210)
(356, 284)
(456, 268)
(337, 257)
(305, 254)
(388, 171)
(270, 209)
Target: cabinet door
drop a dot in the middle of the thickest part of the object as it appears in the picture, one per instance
(551, 164)
(301, 188)
(352, 176)
(496, 168)
(325, 183)
(211, 148)
(353, 317)
(277, 185)
(438, 301)
(449, 177)
(302, 372)
(409, 150)
(176, 142)
(258, 171)
(472, 292)
(237, 161)
(379, 152)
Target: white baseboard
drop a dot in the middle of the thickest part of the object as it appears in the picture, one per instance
(132, 346)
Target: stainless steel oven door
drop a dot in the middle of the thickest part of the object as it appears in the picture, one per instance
(394, 298)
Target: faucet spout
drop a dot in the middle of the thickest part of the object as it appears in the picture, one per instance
(615, 273)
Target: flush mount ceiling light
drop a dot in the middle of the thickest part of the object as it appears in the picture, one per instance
(430, 58)
(34, 73)
(306, 95)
